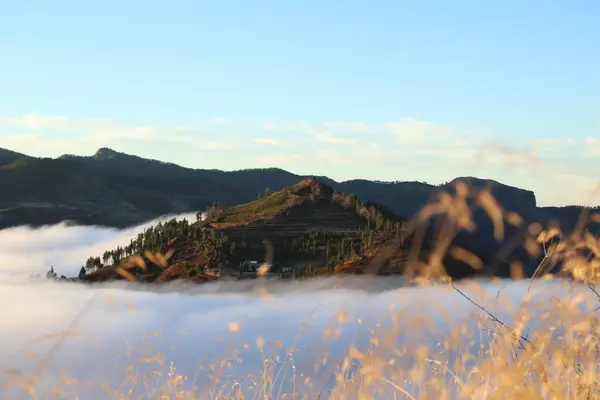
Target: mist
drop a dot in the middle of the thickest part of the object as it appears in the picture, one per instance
(25, 250)
(195, 327)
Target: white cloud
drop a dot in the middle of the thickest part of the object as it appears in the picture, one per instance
(274, 159)
(221, 145)
(409, 134)
(268, 126)
(322, 134)
(192, 334)
(592, 146)
(330, 138)
(358, 126)
(291, 127)
(221, 121)
(37, 122)
(65, 247)
(267, 141)
(52, 136)
(417, 133)
(36, 144)
(188, 324)
(334, 157)
(554, 144)
(47, 145)
(98, 129)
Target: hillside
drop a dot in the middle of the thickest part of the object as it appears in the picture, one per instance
(109, 188)
(150, 188)
(308, 227)
(8, 157)
(116, 189)
(308, 207)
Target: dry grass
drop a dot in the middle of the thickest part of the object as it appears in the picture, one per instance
(490, 358)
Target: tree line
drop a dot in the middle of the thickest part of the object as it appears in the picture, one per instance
(212, 246)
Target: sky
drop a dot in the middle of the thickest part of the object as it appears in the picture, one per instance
(392, 90)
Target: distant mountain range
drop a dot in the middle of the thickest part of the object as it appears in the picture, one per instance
(118, 190)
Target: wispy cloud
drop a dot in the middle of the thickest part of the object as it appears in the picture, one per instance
(35, 122)
(417, 133)
(322, 133)
(334, 157)
(221, 121)
(545, 145)
(53, 135)
(330, 138)
(98, 129)
(409, 137)
(171, 321)
(358, 126)
(275, 159)
(301, 126)
(267, 141)
(221, 145)
(592, 146)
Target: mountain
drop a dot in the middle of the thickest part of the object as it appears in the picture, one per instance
(308, 227)
(127, 189)
(108, 188)
(8, 157)
(115, 189)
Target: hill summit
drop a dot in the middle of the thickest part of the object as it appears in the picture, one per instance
(105, 153)
(274, 204)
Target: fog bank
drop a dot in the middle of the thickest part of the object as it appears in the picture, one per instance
(195, 327)
(26, 250)
(192, 326)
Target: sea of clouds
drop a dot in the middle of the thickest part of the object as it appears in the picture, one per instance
(198, 326)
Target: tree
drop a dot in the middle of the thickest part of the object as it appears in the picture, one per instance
(51, 274)
(81, 272)
(90, 264)
(214, 212)
(106, 257)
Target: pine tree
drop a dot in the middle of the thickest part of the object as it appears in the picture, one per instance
(51, 274)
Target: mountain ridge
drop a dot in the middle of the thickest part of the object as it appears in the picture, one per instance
(150, 188)
(119, 190)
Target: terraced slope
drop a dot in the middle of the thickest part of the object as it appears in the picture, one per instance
(306, 225)
(308, 207)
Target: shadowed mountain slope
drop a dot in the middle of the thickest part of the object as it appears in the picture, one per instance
(116, 189)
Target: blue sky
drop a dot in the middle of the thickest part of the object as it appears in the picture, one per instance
(392, 90)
